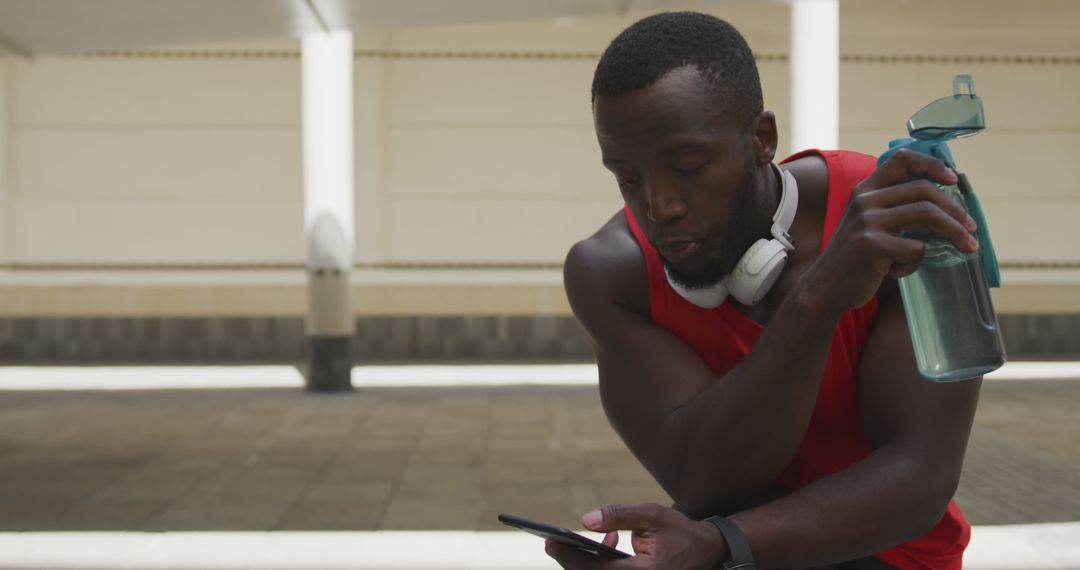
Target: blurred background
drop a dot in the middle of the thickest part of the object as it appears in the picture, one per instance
(164, 290)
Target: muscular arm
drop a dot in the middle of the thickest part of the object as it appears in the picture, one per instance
(664, 402)
(917, 431)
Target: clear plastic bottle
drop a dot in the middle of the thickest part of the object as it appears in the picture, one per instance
(954, 329)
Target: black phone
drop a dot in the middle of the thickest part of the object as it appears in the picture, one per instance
(562, 536)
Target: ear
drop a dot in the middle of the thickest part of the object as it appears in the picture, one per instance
(763, 138)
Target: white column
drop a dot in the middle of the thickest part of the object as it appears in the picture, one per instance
(815, 74)
(327, 77)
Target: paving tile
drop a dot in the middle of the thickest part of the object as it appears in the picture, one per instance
(627, 473)
(293, 455)
(529, 473)
(423, 515)
(113, 515)
(526, 492)
(443, 473)
(210, 514)
(447, 457)
(348, 493)
(501, 441)
(632, 493)
(148, 486)
(333, 516)
(583, 496)
(558, 514)
(366, 465)
(30, 514)
(439, 496)
(523, 457)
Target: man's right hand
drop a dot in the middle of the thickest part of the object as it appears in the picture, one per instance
(662, 538)
(867, 246)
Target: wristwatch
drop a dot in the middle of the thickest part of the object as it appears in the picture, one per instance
(741, 557)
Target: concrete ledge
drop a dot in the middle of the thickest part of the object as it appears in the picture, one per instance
(208, 301)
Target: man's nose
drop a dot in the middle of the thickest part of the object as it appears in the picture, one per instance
(665, 203)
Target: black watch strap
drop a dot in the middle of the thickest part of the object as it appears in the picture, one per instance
(741, 556)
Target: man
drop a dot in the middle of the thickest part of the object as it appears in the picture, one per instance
(801, 418)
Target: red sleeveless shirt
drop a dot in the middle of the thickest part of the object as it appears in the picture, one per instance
(834, 438)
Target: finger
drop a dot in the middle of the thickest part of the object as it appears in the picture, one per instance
(905, 164)
(928, 216)
(906, 254)
(899, 270)
(552, 549)
(918, 191)
(611, 539)
(572, 558)
(622, 517)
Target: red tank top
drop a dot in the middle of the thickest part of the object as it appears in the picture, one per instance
(834, 438)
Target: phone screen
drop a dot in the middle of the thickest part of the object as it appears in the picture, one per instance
(562, 536)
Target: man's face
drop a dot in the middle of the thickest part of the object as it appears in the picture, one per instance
(685, 169)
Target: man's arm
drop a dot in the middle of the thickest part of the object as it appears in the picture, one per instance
(917, 431)
(716, 444)
(664, 402)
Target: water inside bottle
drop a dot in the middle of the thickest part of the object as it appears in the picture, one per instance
(953, 326)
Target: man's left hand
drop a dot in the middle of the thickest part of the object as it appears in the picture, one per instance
(662, 538)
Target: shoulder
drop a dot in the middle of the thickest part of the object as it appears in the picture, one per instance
(819, 169)
(607, 268)
(812, 173)
(852, 167)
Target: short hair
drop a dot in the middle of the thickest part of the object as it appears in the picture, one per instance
(654, 46)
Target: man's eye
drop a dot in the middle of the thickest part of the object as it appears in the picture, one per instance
(689, 167)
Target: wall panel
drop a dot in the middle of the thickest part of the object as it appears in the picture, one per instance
(527, 229)
(200, 163)
(163, 230)
(485, 91)
(209, 89)
(478, 163)
(5, 161)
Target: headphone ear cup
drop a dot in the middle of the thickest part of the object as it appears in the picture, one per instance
(757, 271)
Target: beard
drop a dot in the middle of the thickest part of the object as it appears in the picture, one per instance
(744, 217)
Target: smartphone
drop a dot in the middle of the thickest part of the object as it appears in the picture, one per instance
(562, 536)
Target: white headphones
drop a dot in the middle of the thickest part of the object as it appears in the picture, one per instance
(761, 265)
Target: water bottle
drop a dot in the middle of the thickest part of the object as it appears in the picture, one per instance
(954, 329)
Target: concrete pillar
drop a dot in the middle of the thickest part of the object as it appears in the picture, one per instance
(815, 74)
(327, 76)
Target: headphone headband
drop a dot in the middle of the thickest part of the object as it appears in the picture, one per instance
(785, 212)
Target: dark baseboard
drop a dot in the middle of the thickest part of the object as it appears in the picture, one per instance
(282, 340)
(382, 340)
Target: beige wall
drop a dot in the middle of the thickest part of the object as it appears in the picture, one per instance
(5, 162)
(149, 160)
(480, 150)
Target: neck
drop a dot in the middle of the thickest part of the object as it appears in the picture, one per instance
(769, 188)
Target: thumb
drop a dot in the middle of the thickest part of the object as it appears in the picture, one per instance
(621, 517)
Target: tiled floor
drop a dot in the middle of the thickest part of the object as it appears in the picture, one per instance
(418, 458)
